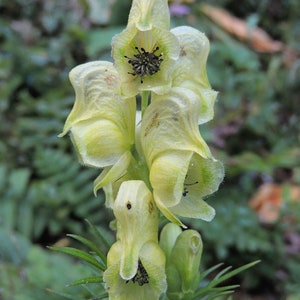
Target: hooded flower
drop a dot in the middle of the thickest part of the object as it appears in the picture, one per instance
(102, 123)
(183, 250)
(182, 169)
(190, 69)
(136, 264)
(145, 51)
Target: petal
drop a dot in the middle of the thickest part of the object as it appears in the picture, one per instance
(153, 259)
(145, 13)
(190, 69)
(202, 178)
(101, 122)
(167, 212)
(113, 173)
(99, 142)
(154, 284)
(97, 87)
(180, 179)
(194, 51)
(194, 208)
(171, 122)
(137, 223)
(125, 43)
(207, 98)
(167, 175)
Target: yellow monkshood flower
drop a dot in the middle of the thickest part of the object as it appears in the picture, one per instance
(190, 69)
(170, 122)
(180, 179)
(102, 123)
(182, 169)
(136, 264)
(146, 50)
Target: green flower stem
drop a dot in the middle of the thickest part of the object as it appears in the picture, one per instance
(140, 168)
(145, 100)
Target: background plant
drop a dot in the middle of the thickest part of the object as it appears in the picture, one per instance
(45, 194)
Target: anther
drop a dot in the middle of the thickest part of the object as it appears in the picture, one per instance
(145, 63)
(185, 189)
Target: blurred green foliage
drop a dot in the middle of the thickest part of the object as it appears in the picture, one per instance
(44, 193)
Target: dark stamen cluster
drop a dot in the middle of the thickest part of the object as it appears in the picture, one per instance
(145, 63)
(141, 276)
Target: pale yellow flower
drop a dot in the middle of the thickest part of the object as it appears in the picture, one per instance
(101, 123)
(182, 169)
(136, 264)
(146, 50)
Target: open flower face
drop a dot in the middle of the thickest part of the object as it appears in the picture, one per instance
(101, 122)
(190, 69)
(135, 262)
(145, 51)
(182, 170)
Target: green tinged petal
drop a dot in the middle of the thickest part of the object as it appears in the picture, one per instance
(137, 223)
(113, 173)
(101, 122)
(207, 98)
(190, 69)
(171, 122)
(147, 32)
(194, 49)
(135, 262)
(124, 47)
(146, 13)
(180, 179)
(167, 175)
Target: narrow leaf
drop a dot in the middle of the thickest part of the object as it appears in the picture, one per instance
(220, 274)
(91, 245)
(235, 272)
(67, 296)
(217, 296)
(210, 270)
(80, 254)
(92, 279)
(98, 235)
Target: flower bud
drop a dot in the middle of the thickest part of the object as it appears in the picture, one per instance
(183, 260)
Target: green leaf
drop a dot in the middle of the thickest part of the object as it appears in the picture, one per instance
(211, 290)
(81, 255)
(92, 279)
(235, 272)
(210, 270)
(98, 235)
(91, 245)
